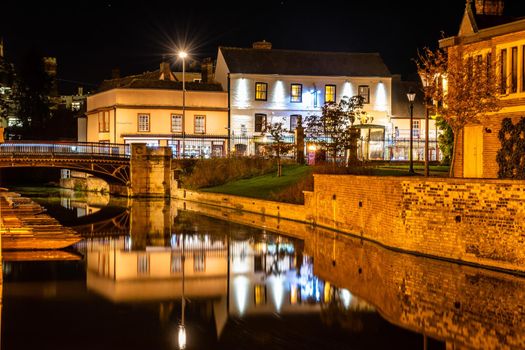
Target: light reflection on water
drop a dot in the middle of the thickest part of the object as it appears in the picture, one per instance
(176, 276)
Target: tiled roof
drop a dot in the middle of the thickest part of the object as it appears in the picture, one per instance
(488, 21)
(150, 80)
(293, 62)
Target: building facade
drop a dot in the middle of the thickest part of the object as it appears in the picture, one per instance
(499, 39)
(151, 108)
(269, 85)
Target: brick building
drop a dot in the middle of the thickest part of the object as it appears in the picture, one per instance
(499, 38)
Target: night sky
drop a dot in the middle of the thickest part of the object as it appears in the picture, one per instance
(89, 38)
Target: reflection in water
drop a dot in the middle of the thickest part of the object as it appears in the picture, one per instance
(219, 284)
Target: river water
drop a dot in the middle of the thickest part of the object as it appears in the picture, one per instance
(161, 275)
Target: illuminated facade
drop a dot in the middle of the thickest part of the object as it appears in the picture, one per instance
(267, 85)
(501, 40)
(148, 108)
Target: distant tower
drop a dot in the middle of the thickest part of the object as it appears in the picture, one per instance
(489, 7)
(50, 67)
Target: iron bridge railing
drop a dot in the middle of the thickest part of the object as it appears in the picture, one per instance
(113, 150)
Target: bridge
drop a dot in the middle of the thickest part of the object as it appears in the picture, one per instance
(109, 161)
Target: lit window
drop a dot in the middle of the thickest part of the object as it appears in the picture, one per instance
(103, 121)
(364, 92)
(143, 122)
(176, 263)
(296, 93)
(260, 122)
(260, 294)
(503, 71)
(143, 264)
(415, 128)
(329, 93)
(293, 122)
(261, 91)
(199, 262)
(514, 70)
(176, 123)
(200, 124)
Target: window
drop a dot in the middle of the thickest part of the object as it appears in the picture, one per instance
(199, 262)
(415, 128)
(143, 122)
(503, 71)
(293, 122)
(329, 93)
(176, 263)
(103, 121)
(296, 93)
(489, 65)
(261, 91)
(514, 70)
(364, 92)
(143, 264)
(176, 123)
(259, 294)
(200, 124)
(260, 122)
(523, 68)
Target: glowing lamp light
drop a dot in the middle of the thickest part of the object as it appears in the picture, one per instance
(182, 337)
(380, 103)
(183, 54)
(312, 148)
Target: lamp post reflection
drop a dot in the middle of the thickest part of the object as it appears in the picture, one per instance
(182, 326)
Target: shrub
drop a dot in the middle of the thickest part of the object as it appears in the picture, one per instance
(218, 171)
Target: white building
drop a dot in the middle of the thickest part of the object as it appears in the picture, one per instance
(271, 85)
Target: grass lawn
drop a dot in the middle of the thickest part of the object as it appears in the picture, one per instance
(262, 186)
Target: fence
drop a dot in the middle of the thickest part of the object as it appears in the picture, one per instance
(64, 148)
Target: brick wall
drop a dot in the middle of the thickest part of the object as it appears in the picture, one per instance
(253, 205)
(476, 221)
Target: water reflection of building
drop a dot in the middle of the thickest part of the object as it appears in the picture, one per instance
(262, 277)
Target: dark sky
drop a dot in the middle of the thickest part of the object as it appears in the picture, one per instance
(89, 38)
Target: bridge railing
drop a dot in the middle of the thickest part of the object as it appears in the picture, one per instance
(64, 148)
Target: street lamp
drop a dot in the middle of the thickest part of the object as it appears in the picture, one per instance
(183, 55)
(411, 95)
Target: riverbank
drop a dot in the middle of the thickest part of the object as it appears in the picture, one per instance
(471, 221)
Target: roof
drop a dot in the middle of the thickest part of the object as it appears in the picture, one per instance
(489, 21)
(151, 80)
(294, 62)
(400, 104)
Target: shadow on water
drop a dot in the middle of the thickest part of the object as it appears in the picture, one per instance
(225, 285)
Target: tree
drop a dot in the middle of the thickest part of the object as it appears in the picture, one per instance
(462, 85)
(334, 128)
(278, 147)
(31, 95)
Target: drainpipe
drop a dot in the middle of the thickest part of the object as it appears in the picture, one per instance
(229, 119)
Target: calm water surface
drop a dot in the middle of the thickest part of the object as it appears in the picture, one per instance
(150, 272)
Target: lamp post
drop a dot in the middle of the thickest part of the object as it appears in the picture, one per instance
(183, 55)
(411, 95)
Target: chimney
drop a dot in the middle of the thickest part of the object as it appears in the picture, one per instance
(262, 45)
(489, 7)
(165, 71)
(80, 91)
(1, 47)
(115, 73)
(207, 70)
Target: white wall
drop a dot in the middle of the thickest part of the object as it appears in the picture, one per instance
(278, 107)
